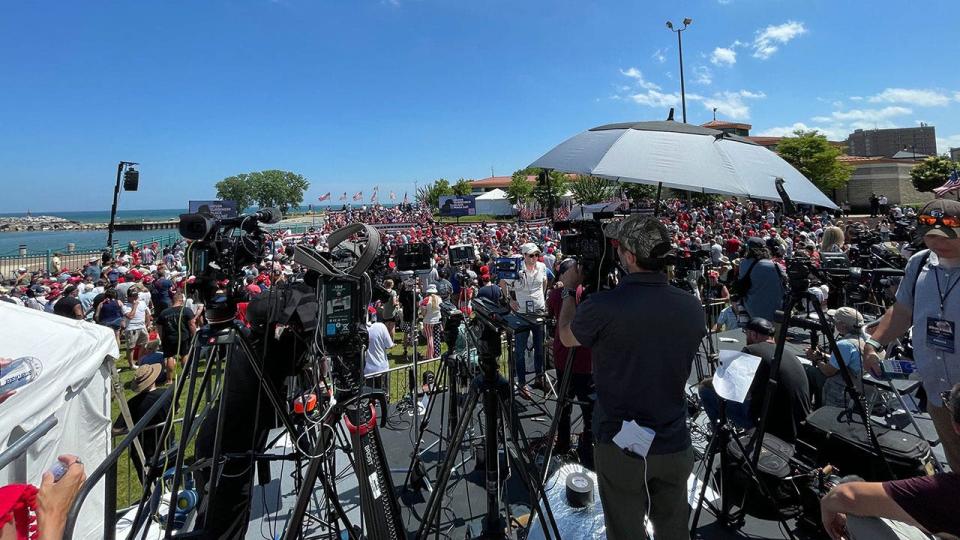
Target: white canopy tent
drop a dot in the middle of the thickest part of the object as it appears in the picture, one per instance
(74, 360)
(494, 203)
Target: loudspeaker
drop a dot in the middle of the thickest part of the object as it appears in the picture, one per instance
(131, 179)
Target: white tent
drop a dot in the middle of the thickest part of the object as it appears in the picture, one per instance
(494, 203)
(74, 360)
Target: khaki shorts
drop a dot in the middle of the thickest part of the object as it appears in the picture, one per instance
(136, 338)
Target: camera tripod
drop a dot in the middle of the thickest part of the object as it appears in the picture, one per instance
(497, 417)
(223, 353)
(447, 386)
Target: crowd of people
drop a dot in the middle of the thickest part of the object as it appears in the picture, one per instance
(729, 255)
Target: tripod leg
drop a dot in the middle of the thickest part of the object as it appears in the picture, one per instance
(710, 453)
(436, 498)
(415, 455)
(562, 402)
(533, 483)
(314, 473)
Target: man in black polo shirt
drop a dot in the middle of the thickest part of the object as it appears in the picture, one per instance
(643, 337)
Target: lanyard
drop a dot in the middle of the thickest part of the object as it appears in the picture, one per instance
(943, 296)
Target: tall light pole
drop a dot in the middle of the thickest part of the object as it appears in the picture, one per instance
(131, 182)
(683, 95)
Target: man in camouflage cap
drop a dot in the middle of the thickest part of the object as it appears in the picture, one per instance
(643, 236)
(643, 336)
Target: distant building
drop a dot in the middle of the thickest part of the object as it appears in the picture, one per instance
(955, 154)
(880, 175)
(490, 183)
(887, 142)
(731, 128)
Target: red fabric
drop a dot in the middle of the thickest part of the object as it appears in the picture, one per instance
(582, 362)
(18, 503)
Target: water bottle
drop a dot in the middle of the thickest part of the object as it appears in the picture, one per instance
(19, 373)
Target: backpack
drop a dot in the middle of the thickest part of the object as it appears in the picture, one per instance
(739, 288)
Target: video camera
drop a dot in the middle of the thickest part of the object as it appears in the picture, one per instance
(589, 246)
(462, 254)
(221, 248)
(413, 257)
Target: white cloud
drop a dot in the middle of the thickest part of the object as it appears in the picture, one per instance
(652, 98)
(856, 98)
(944, 144)
(867, 116)
(956, 96)
(834, 133)
(731, 104)
(769, 40)
(637, 76)
(660, 55)
(703, 75)
(911, 96)
(722, 56)
(724, 2)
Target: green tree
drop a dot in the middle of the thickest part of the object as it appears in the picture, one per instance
(637, 191)
(282, 189)
(236, 188)
(811, 154)
(430, 194)
(462, 187)
(931, 173)
(546, 195)
(590, 189)
(520, 189)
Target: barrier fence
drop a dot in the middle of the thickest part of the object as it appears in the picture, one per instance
(70, 257)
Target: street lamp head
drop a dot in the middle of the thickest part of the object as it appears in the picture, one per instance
(670, 25)
(688, 21)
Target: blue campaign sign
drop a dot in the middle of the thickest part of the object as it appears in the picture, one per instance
(218, 209)
(458, 205)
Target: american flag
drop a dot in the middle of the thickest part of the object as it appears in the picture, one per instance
(324, 197)
(358, 196)
(344, 196)
(373, 197)
(952, 184)
(393, 196)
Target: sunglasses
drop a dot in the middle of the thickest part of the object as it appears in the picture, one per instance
(947, 221)
(533, 255)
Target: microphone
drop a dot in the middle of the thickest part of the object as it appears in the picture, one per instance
(268, 215)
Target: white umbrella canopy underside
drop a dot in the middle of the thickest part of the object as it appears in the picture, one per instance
(693, 158)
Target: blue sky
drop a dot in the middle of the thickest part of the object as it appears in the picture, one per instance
(359, 93)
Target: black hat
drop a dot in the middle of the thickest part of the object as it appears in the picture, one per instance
(761, 326)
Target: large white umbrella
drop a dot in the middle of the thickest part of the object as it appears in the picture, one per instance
(681, 156)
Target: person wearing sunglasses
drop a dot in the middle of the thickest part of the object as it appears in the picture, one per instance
(528, 294)
(928, 299)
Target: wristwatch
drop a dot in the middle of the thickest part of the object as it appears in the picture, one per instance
(568, 293)
(874, 343)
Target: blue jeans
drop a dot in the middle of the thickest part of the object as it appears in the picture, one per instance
(737, 413)
(520, 353)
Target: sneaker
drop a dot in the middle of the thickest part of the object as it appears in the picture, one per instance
(524, 392)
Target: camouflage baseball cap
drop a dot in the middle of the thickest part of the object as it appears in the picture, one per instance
(640, 235)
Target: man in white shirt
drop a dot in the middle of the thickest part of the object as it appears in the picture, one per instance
(379, 341)
(138, 320)
(528, 294)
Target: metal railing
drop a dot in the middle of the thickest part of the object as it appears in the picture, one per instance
(70, 257)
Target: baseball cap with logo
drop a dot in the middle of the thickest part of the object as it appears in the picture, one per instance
(936, 217)
(644, 236)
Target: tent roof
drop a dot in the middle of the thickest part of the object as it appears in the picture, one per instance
(493, 194)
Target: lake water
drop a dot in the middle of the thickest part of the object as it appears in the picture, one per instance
(40, 241)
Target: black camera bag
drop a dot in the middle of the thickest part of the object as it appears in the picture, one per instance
(838, 437)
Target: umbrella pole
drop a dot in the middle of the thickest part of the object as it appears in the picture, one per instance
(656, 205)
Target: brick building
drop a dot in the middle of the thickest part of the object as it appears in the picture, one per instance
(887, 142)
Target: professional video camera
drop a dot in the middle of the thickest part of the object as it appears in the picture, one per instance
(688, 269)
(220, 249)
(588, 245)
